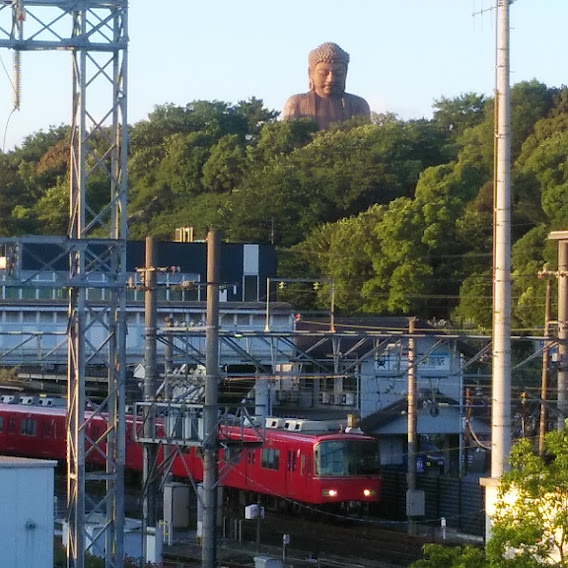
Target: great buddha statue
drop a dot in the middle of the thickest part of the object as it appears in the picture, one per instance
(327, 102)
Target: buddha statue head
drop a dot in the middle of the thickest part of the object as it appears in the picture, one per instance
(328, 70)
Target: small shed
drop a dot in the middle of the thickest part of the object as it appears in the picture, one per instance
(26, 519)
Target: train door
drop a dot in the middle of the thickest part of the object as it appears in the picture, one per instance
(11, 434)
(250, 467)
(293, 481)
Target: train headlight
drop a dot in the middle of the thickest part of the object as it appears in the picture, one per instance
(329, 492)
(368, 493)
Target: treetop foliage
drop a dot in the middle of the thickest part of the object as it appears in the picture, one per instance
(398, 212)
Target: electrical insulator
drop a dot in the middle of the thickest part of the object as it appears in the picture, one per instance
(316, 285)
(281, 285)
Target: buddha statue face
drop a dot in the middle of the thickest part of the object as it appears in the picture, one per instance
(328, 79)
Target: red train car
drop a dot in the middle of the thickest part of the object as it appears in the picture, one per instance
(321, 468)
(329, 469)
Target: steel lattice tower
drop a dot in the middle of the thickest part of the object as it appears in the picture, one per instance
(95, 32)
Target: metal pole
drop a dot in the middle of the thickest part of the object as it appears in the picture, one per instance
(501, 388)
(267, 324)
(258, 521)
(411, 414)
(210, 442)
(544, 375)
(562, 332)
(332, 308)
(150, 384)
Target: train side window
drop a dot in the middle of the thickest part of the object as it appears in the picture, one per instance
(303, 464)
(251, 458)
(28, 427)
(1, 423)
(270, 458)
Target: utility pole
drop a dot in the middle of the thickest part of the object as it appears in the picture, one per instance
(544, 375)
(501, 386)
(501, 346)
(412, 442)
(211, 409)
(150, 385)
(562, 333)
(562, 238)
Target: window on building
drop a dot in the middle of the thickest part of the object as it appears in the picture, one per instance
(250, 292)
(29, 293)
(12, 293)
(243, 320)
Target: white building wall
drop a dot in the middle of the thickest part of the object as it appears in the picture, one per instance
(26, 517)
(384, 379)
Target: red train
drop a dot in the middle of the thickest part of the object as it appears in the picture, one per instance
(329, 469)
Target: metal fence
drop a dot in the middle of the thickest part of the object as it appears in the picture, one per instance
(460, 501)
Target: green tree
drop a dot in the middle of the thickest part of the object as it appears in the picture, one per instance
(457, 114)
(343, 251)
(224, 168)
(438, 556)
(530, 525)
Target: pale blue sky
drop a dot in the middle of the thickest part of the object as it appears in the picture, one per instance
(404, 54)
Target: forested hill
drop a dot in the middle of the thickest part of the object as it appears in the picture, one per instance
(398, 212)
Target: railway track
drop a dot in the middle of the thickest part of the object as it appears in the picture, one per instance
(312, 543)
(357, 540)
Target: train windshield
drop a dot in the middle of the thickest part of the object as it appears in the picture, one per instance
(346, 457)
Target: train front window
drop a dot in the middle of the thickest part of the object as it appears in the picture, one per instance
(346, 457)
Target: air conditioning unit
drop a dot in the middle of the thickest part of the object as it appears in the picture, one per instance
(290, 425)
(348, 399)
(274, 423)
(325, 397)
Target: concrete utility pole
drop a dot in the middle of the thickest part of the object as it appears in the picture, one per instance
(412, 435)
(562, 238)
(211, 409)
(501, 370)
(544, 375)
(501, 388)
(150, 386)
